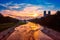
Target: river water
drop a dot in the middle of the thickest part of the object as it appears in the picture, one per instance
(31, 31)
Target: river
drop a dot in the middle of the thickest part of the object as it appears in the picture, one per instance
(30, 31)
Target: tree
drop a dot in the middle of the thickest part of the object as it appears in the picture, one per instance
(51, 21)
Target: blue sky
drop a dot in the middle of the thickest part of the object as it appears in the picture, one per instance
(21, 4)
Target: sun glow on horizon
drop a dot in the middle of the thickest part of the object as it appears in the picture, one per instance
(35, 15)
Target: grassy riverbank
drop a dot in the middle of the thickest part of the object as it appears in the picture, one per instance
(5, 26)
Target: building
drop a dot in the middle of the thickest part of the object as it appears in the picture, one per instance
(49, 12)
(45, 13)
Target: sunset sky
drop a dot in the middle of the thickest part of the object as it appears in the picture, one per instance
(17, 7)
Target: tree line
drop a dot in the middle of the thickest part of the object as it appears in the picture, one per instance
(50, 21)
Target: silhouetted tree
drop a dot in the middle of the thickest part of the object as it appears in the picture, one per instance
(51, 21)
(1, 15)
(7, 19)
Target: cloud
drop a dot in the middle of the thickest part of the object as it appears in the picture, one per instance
(48, 3)
(6, 4)
(3, 5)
(10, 6)
(51, 6)
(28, 10)
(21, 6)
(16, 6)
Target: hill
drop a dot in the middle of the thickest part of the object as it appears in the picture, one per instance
(7, 22)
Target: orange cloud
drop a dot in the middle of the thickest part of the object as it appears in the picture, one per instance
(53, 12)
(28, 12)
